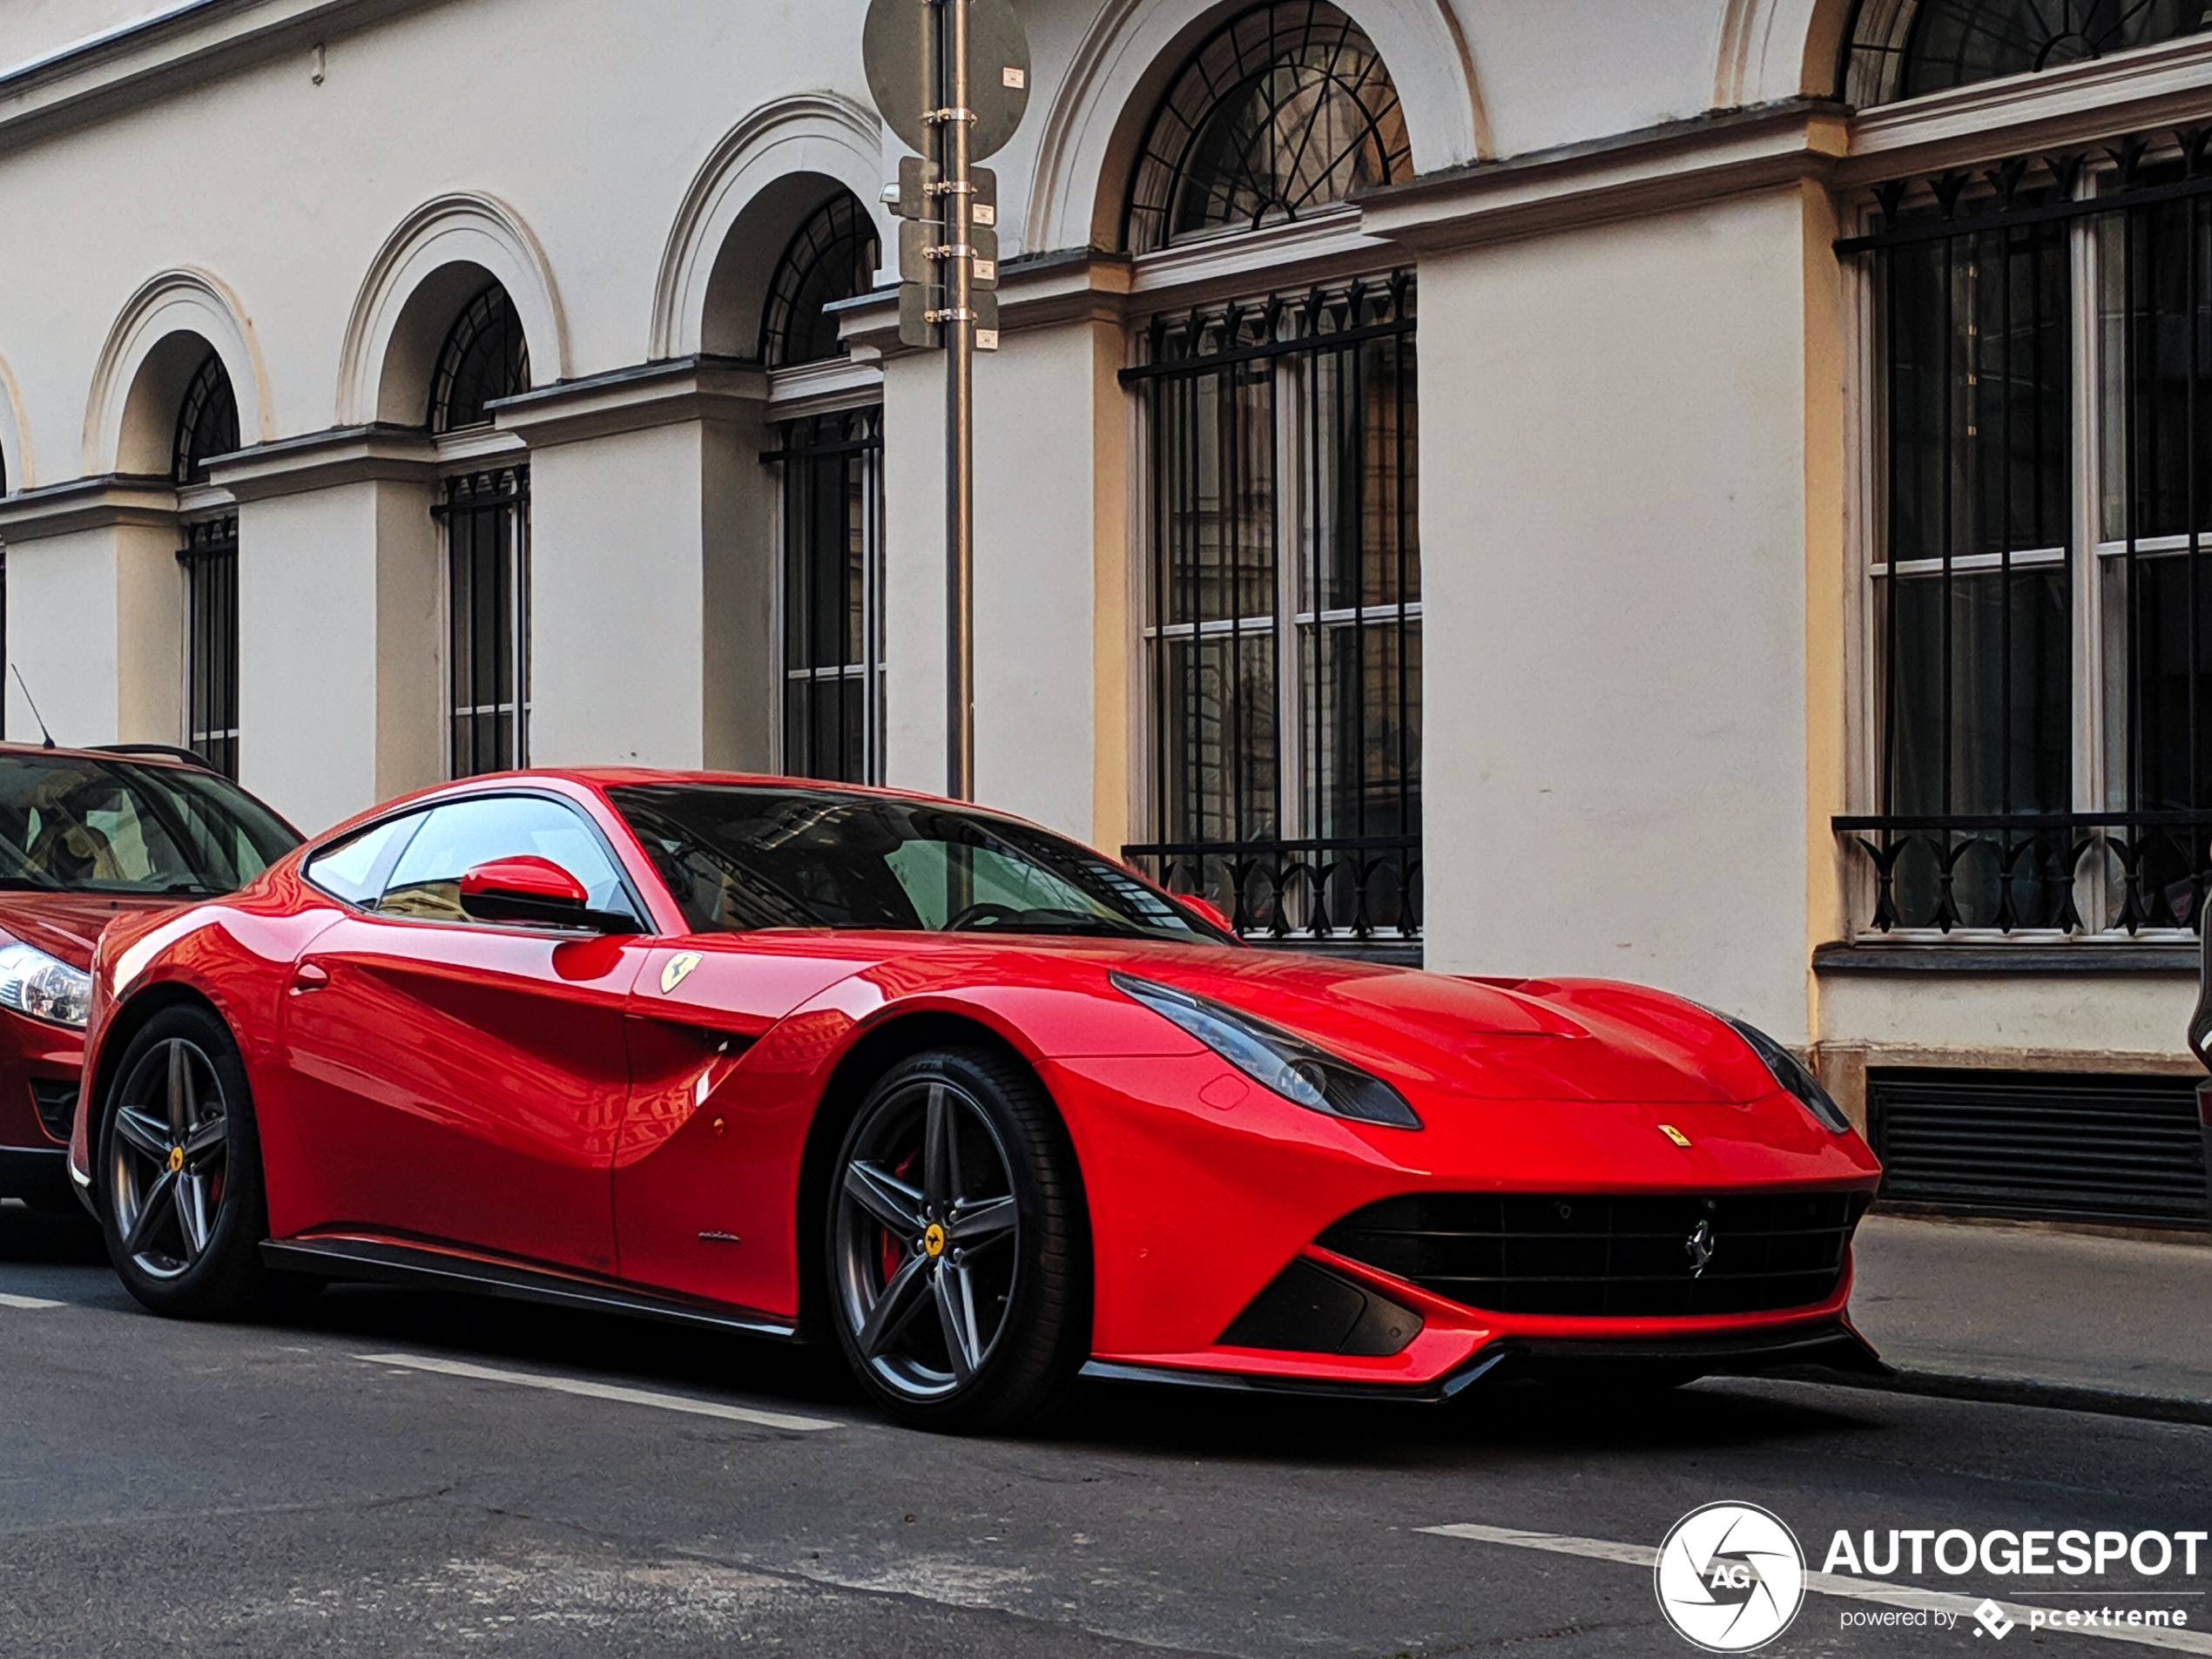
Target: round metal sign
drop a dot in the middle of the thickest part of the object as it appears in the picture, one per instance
(901, 64)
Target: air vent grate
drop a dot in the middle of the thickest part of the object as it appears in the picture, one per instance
(2112, 1148)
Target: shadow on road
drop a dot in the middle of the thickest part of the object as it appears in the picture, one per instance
(50, 1239)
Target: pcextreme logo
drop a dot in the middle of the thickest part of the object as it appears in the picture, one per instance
(1731, 1577)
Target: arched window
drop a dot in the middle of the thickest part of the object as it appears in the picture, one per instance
(1285, 109)
(1901, 49)
(484, 358)
(207, 426)
(206, 421)
(486, 511)
(834, 257)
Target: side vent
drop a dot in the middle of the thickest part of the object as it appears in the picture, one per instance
(1306, 1309)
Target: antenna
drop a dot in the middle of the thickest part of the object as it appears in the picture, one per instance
(34, 706)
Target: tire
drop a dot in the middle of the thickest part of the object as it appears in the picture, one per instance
(959, 1262)
(179, 1175)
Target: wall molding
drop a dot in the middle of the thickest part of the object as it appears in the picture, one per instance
(184, 301)
(87, 504)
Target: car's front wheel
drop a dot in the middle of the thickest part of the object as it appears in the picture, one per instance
(958, 1246)
(179, 1173)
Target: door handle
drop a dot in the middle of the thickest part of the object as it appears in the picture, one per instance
(309, 976)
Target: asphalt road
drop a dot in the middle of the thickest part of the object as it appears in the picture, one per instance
(396, 1474)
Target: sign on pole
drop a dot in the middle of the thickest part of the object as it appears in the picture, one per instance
(952, 78)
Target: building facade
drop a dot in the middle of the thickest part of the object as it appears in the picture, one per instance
(1711, 492)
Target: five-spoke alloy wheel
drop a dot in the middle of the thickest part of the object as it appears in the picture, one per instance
(956, 1266)
(177, 1168)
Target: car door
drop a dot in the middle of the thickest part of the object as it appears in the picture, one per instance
(461, 1082)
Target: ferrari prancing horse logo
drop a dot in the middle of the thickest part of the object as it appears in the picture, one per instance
(1674, 1135)
(679, 969)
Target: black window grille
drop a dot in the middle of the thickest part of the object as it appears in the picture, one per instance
(1283, 614)
(1285, 108)
(488, 610)
(210, 560)
(832, 588)
(2042, 768)
(1899, 48)
(206, 421)
(485, 357)
(832, 257)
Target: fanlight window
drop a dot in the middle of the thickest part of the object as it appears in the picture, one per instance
(834, 257)
(207, 422)
(1901, 49)
(1287, 109)
(486, 357)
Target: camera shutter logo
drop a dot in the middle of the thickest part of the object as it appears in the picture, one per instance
(1731, 1577)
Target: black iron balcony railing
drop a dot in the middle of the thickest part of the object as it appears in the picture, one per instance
(2065, 872)
(1360, 887)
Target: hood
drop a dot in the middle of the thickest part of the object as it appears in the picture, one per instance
(68, 925)
(1590, 1040)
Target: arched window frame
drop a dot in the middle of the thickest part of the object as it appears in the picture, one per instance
(483, 505)
(207, 426)
(832, 256)
(1277, 54)
(1901, 49)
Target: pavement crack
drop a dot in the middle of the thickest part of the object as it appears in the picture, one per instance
(166, 1518)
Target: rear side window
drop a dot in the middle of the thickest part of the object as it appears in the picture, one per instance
(426, 883)
(354, 869)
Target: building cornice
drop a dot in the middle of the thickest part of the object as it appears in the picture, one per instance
(326, 459)
(2051, 109)
(87, 504)
(1653, 170)
(1036, 290)
(185, 47)
(633, 400)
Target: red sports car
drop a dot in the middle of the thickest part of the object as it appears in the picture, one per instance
(87, 835)
(807, 1060)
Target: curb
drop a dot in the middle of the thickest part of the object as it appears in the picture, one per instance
(2022, 1391)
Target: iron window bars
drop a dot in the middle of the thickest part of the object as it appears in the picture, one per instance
(1285, 108)
(207, 426)
(1900, 48)
(485, 357)
(487, 611)
(210, 560)
(833, 256)
(833, 595)
(2046, 660)
(1283, 618)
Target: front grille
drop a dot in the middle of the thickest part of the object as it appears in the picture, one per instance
(57, 1104)
(1608, 1255)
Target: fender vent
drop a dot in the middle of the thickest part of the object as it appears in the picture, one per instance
(2112, 1149)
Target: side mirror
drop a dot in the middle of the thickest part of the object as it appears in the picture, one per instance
(527, 888)
(1207, 911)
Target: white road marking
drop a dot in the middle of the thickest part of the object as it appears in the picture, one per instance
(28, 1304)
(602, 1391)
(1851, 1589)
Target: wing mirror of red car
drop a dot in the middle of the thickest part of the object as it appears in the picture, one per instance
(535, 891)
(1206, 912)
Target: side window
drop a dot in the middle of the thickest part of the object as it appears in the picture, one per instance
(349, 870)
(426, 883)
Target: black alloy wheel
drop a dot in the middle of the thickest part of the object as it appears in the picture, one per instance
(958, 1270)
(178, 1173)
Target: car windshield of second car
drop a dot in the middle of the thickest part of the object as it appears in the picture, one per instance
(85, 824)
(739, 858)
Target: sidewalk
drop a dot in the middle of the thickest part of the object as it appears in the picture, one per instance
(2020, 1313)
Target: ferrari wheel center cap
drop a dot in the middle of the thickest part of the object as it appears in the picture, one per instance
(176, 1159)
(933, 1240)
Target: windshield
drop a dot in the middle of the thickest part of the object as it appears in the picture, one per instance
(739, 858)
(87, 824)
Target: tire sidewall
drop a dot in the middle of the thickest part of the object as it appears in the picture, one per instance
(1026, 1142)
(227, 1272)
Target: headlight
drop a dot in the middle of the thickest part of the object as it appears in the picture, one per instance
(33, 983)
(1794, 1077)
(1292, 1067)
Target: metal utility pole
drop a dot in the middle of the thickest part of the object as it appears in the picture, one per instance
(921, 55)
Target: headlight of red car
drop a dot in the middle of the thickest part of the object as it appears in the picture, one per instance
(44, 987)
(1792, 1076)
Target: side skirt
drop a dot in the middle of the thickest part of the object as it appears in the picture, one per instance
(384, 1261)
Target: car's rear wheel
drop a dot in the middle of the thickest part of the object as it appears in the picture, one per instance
(179, 1173)
(957, 1249)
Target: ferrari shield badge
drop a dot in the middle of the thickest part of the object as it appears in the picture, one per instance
(1667, 1130)
(679, 969)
